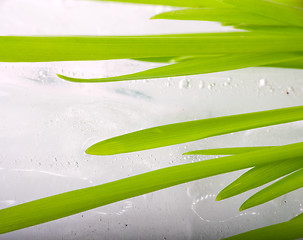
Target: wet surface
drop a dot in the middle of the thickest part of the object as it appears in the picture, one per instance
(46, 124)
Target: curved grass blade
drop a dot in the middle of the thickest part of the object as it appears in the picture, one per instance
(297, 217)
(269, 9)
(197, 66)
(289, 230)
(173, 59)
(277, 189)
(175, 3)
(270, 29)
(228, 16)
(259, 176)
(66, 204)
(156, 60)
(45, 49)
(225, 151)
(195, 3)
(297, 64)
(293, 3)
(193, 130)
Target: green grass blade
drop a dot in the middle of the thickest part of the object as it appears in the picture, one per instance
(225, 151)
(173, 59)
(195, 3)
(45, 49)
(193, 130)
(175, 3)
(289, 230)
(269, 9)
(66, 204)
(156, 60)
(297, 217)
(277, 189)
(297, 64)
(197, 66)
(259, 176)
(293, 3)
(282, 30)
(229, 16)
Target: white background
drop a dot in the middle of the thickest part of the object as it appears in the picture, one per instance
(46, 124)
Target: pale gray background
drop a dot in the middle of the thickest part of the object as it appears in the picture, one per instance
(47, 123)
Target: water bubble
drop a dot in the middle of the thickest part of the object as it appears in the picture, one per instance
(184, 83)
(262, 82)
(42, 73)
(289, 90)
(228, 82)
(168, 83)
(211, 86)
(201, 84)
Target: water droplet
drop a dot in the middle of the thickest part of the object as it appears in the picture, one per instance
(168, 83)
(271, 89)
(201, 84)
(42, 73)
(289, 90)
(262, 82)
(228, 82)
(184, 83)
(211, 86)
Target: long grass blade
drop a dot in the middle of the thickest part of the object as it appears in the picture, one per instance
(193, 130)
(282, 30)
(297, 217)
(227, 16)
(269, 9)
(175, 3)
(259, 176)
(297, 64)
(277, 189)
(66, 204)
(196, 3)
(225, 151)
(293, 3)
(197, 66)
(174, 59)
(289, 230)
(45, 49)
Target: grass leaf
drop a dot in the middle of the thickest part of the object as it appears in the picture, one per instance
(277, 189)
(197, 66)
(259, 176)
(297, 217)
(66, 204)
(225, 151)
(45, 49)
(297, 64)
(228, 16)
(269, 9)
(193, 130)
(175, 3)
(289, 230)
(293, 3)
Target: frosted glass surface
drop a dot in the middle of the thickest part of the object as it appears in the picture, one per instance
(47, 123)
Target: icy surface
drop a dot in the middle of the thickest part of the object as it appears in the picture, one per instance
(46, 124)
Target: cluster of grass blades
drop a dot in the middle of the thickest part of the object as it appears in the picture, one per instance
(272, 37)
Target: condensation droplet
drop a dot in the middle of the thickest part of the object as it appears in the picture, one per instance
(211, 86)
(227, 82)
(184, 83)
(262, 82)
(201, 84)
(289, 90)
